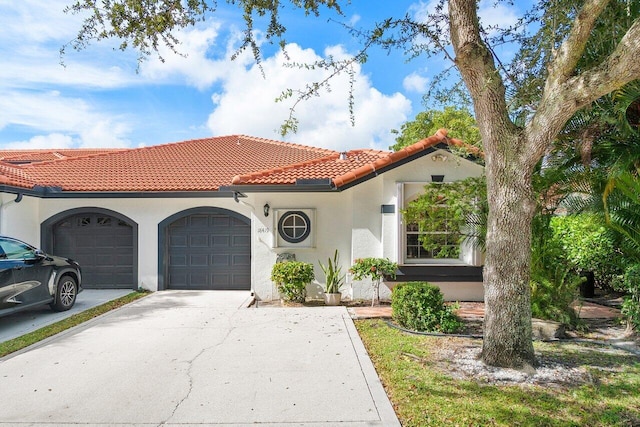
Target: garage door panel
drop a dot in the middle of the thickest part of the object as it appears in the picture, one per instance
(241, 260)
(85, 241)
(221, 221)
(199, 240)
(178, 241)
(221, 280)
(220, 260)
(105, 260)
(178, 260)
(105, 241)
(239, 281)
(180, 223)
(124, 261)
(84, 260)
(178, 279)
(199, 221)
(218, 255)
(198, 277)
(102, 244)
(241, 241)
(220, 241)
(201, 260)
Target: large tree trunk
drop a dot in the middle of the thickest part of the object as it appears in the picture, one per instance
(507, 323)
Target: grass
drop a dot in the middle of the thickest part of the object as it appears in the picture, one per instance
(26, 340)
(424, 394)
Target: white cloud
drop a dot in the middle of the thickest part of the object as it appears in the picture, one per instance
(414, 82)
(55, 115)
(192, 65)
(246, 104)
(31, 35)
(53, 140)
(354, 20)
(495, 14)
(37, 21)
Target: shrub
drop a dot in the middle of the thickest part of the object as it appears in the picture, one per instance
(589, 246)
(420, 306)
(631, 304)
(291, 278)
(373, 268)
(552, 293)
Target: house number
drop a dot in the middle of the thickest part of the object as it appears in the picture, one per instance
(263, 230)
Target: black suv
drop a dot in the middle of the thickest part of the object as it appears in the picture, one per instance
(29, 277)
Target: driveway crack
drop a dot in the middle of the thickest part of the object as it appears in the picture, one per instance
(189, 373)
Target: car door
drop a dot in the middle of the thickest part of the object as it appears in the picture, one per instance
(7, 288)
(29, 274)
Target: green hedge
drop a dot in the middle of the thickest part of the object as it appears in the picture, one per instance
(420, 306)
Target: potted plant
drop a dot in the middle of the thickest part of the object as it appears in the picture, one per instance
(291, 279)
(374, 269)
(334, 279)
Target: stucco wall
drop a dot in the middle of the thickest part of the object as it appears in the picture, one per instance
(20, 219)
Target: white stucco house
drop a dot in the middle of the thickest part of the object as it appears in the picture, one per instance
(215, 213)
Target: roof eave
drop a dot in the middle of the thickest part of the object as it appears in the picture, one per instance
(57, 193)
(281, 188)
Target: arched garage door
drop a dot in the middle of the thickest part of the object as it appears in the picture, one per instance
(103, 245)
(209, 250)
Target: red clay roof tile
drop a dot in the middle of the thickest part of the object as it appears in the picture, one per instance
(32, 156)
(197, 165)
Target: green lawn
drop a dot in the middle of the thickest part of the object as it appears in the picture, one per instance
(19, 343)
(425, 394)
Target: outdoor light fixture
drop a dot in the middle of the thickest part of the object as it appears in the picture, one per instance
(266, 208)
(439, 158)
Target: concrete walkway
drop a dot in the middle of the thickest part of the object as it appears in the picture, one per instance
(198, 358)
(27, 321)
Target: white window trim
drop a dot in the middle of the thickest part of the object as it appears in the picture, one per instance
(402, 241)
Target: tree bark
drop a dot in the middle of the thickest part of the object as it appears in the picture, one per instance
(507, 323)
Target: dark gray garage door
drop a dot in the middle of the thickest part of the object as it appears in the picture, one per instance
(102, 244)
(209, 251)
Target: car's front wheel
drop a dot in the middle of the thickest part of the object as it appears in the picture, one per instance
(66, 293)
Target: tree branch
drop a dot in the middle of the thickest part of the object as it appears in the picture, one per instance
(561, 99)
(476, 65)
(571, 50)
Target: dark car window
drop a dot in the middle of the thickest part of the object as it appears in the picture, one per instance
(15, 250)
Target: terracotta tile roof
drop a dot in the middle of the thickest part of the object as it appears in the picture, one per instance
(14, 177)
(326, 167)
(198, 165)
(32, 156)
(356, 165)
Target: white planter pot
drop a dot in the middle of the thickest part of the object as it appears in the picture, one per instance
(332, 299)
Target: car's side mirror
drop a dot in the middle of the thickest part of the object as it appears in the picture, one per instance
(39, 254)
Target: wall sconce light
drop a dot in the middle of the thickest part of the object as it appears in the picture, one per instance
(265, 209)
(439, 158)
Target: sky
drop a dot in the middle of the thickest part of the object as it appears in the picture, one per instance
(101, 98)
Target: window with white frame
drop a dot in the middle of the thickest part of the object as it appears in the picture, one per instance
(440, 241)
(431, 221)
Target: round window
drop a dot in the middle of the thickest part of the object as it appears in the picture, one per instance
(294, 226)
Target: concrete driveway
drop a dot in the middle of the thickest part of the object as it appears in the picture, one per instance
(198, 358)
